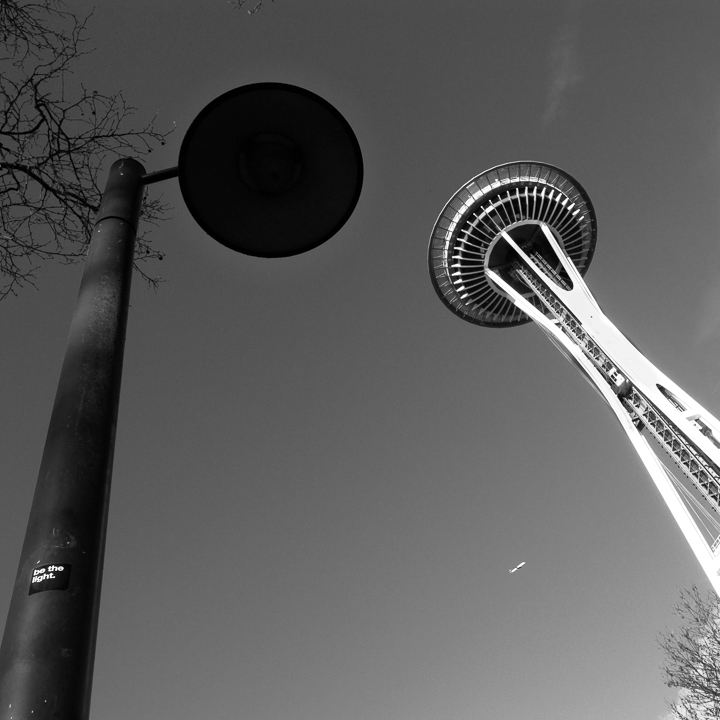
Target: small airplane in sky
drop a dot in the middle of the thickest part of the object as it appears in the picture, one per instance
(516, 568)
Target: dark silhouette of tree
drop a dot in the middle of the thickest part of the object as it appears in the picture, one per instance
(57, 137)
(693, 657)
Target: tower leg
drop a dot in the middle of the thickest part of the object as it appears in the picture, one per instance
(638, 393)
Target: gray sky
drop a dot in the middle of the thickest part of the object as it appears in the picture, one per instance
(322, 476)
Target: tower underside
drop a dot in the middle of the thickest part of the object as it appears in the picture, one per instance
(511, 246)
(515, 197)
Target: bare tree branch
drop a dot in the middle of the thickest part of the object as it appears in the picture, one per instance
(251, 9)
(56, 139)
(693, 657)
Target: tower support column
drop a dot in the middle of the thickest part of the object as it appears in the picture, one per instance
(643, 399)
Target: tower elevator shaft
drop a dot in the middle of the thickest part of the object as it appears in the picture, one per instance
(660, 419)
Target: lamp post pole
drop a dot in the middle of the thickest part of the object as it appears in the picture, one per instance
(268, 169)
(47, 651)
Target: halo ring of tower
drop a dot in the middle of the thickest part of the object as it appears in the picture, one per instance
(504, 198)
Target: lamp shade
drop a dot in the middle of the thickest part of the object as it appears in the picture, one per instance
(270, 169)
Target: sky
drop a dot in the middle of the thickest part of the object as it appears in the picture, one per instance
(322, 476)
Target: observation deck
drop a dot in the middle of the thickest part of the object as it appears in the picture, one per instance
(514, 197)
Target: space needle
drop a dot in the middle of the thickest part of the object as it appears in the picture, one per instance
(511, 246)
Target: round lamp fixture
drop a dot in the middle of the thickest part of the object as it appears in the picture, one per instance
(270, 170)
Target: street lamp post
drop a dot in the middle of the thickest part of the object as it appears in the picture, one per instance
(49, 641)
(249, 165)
